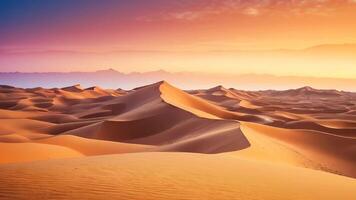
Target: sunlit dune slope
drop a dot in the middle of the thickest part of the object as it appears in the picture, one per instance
(169, 176)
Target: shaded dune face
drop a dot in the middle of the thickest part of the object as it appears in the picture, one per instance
(304, 127)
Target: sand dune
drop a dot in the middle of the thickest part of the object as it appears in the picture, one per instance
(169, 176)
(244, 144)
(166, 124)
(169, 124)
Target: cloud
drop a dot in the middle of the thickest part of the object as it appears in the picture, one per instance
(187, 15)
(191, 15)
(191, 11)
(251, 11)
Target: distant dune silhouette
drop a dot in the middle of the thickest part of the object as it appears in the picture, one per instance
(188, 80)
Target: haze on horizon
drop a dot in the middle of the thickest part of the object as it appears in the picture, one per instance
(313, 38)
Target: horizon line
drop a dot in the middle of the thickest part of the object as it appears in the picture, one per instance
(22, 50)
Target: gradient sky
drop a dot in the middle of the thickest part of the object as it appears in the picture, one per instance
(175, 35)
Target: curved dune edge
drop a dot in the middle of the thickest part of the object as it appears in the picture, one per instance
(193, 104)
(305, 148)
(151, 176)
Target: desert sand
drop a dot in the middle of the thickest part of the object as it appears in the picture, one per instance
(160, 142)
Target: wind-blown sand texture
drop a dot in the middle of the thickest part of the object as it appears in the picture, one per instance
(160, 142)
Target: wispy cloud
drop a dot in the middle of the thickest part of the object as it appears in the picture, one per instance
(249, 8)
(251, 11)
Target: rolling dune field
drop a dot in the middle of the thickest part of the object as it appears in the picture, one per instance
(160, 142)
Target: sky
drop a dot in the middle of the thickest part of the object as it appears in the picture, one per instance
(231, 36)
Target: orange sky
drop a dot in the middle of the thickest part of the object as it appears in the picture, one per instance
(198, 35)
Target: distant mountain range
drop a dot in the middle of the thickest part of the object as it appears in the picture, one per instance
(187, 80)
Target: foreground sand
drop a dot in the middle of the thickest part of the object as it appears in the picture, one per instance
(169, 176)
(89, 143)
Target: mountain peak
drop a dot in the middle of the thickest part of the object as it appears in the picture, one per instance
(110, 70)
